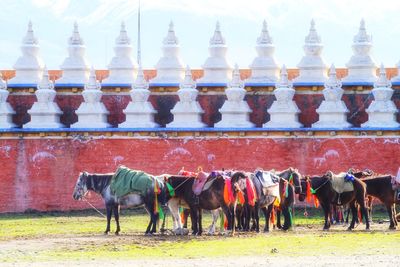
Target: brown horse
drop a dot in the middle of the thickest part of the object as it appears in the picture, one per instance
(327, 196)
(380, 187)
(210, 199)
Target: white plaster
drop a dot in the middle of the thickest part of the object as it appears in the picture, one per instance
(29, 66)
(123, 69)
(6, 111)
(235, 111)
(170, 67)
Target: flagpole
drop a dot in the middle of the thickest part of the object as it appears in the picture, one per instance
(139, 52)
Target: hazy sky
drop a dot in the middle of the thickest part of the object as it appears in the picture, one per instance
(288, 22)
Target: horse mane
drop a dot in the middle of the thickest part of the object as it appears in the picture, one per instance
(99, 180)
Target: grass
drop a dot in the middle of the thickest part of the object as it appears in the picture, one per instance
(78, 235)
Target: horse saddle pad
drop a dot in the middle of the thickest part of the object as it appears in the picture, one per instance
(126, 181)
(199, 183)
(340, 185)
(267, 179)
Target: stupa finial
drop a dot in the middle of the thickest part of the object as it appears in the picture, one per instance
(333, 82)
(3, 84)
(92, 83)
(171, 38)
(382, 79)
(236, 81)
(362, 36)
(264, 37)
(140, 82)
(45, 82)
(217, 38)
(284, 80)
(123, 38)
(30, 38)
(188, 82)
(75, 39)
(312, 36)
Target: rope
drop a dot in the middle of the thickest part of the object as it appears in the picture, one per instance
(361, 107)
(87, 201)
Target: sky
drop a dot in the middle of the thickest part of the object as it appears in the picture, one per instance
(288, 23)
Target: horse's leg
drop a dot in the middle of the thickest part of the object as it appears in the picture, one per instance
(200, 211)
(194, 219)
(109, 214)
(267, 214)
(186, 213)
(215, 215)
(173, 206)
(395, 218)
(257, 217)
(154, 219)
(326, 208)
(354, 214)
(278, 218)
(116, 217)
(389, 208)
(287, 224)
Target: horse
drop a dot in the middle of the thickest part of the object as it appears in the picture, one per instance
(380, 187)
(100, 184)
(287, 192)
(326, 195)
(210, 199)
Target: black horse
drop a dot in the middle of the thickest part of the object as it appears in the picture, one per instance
(327, 196)
(210, 199)
(100, 184)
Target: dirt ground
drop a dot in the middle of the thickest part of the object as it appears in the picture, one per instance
(27, 246)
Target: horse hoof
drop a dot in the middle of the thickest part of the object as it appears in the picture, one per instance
(106, 233)
(148, 234)
(350, 229)
(116, 233)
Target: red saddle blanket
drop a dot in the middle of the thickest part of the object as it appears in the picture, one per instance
(199, 182)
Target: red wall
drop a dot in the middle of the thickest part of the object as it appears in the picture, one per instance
(40, 173)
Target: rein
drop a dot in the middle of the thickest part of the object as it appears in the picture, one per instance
(99, 212)
(186, 179)
(313, 191)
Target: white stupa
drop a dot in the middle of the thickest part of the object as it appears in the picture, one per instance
(45, 113)
(75, 67)
(139, 112)
(187, 111)
(235, 111)
(217, 69)
(6, 111)
(312, 67)
(122, 68)
(382, 111)
(332, 111)
(264, 68)
(170, 68)
(284, 111)
(92, 113)
(29, 66)
(361, 67)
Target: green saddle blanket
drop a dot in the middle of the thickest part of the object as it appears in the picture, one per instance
(126, 181)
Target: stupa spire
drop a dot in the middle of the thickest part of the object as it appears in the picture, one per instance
(188, 82)
(170, 68)
(284, 80)
(333, 81)
(217, 38)
(29, 66)
(312, 67)
(361, 67)
(140, 82)
(382, 79)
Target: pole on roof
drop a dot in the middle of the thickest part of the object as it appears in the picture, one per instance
(139, 52)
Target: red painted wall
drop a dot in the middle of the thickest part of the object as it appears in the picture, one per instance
(40, 173)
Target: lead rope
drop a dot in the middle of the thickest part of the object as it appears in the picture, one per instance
(99, 212)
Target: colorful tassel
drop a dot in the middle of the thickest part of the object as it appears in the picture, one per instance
(286, 189)
(251, 195)
(308, 192)
(225, 222)
(228, 194)
(316, 202)
(171, 190)
(161, 214)
(156, 191)
(273, 217)
(277, 202)
(241, 198)
(182, 214)
(291, 179)
(221, 221)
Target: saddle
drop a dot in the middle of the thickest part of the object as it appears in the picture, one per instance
(267, 179)
(199, 182)
(342, 182)
(269, 182)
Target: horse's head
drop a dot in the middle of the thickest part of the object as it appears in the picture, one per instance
(239, 181)
(295, 177)
(303, 190)
(80, 189)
